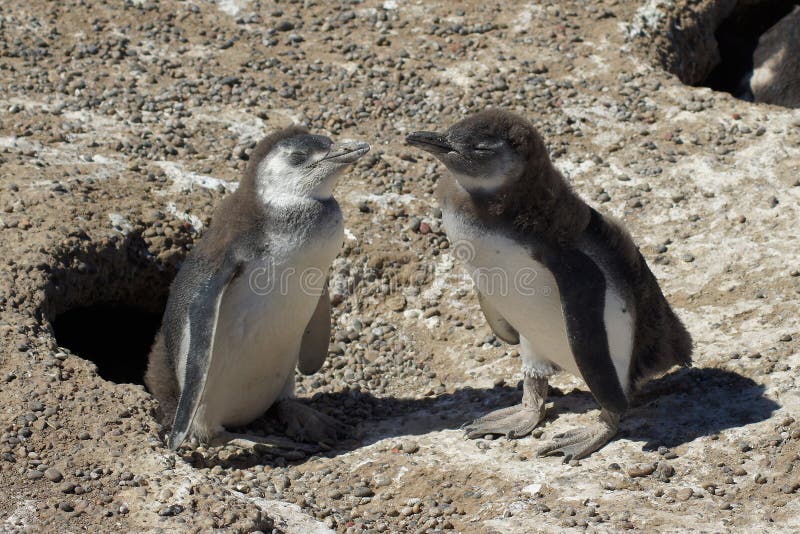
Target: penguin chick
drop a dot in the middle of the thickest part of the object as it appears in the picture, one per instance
(251, 303)
(552, 274)
(776, 63)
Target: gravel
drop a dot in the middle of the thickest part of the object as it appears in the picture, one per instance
(116, 112)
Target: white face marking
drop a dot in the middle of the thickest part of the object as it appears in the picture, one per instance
(281, 183)
(480, 184)
(504, 169)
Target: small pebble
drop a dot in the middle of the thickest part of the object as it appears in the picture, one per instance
(64, 506)
(53, 475)
(363, 491)
(641, 470)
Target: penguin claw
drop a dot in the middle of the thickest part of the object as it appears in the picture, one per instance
(513, 422)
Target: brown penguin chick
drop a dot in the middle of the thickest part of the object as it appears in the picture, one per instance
(250, 303)
(552, 274)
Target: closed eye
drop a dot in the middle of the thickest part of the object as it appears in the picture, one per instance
(296, 158)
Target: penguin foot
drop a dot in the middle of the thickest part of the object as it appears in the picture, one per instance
(515, 421)
(579, 443)
(307, 424)
(259, 443)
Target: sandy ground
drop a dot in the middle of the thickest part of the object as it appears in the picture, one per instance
(121, 126)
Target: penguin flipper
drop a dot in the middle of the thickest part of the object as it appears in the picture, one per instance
(582, 287)
(314, 346)
(497, 322)
(203, 311)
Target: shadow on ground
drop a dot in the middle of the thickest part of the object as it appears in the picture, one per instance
(695, 402)
(669, 411)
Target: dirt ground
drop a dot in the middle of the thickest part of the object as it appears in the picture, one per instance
(123, 123)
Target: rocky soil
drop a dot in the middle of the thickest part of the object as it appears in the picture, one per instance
(123, 123)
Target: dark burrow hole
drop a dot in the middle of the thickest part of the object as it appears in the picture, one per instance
(105, 302)
(737, 38)
(117, 338)
(748, 48)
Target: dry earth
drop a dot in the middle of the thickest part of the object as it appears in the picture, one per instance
(123, 123)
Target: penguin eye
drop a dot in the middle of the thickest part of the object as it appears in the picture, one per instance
(297, 158)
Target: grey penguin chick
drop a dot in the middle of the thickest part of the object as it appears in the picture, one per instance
(776, 63)
(251, 303)
(552, 274)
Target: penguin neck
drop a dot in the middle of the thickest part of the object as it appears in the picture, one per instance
(539, 204)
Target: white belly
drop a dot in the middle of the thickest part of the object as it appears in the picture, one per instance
(256, 345)
(526, 294)
(262, 318)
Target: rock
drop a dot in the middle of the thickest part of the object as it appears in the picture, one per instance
(664, 471)
(34, 474)
(382, 481)
(363, 491)
(684, 494)
(65, 506)
(53, 475)
(396, 302)
(170, 510)
(641, 470)
(409, 446)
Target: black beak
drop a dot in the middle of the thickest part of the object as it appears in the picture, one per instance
(432, 142)
(347, 152)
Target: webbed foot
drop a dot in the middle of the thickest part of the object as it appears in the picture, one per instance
(259, 443)
(579, 443)
(515, 421)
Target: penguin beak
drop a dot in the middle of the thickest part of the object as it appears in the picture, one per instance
(432, 142)
(346, 152)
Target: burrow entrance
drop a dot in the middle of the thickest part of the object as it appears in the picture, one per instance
(713, 45)
(117, 338)
(105, 303)
(737, 38)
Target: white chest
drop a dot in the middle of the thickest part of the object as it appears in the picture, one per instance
(262, 317)
(526, 294)
(522, 290)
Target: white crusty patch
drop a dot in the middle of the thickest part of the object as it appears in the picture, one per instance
(121, 222)
(232, 7)
(194, 220)
(183, 179)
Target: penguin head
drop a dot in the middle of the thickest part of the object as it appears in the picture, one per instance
(485, 152)
(295, 163)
